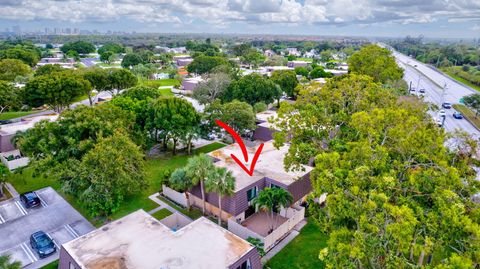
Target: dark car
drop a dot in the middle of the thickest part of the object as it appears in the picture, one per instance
(30, 199)
(421, 91)
(447, 105)
(43, 244)
(457, 115)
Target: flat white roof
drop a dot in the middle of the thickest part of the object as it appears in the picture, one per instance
(25, 124)
(266, 116)
(269, 164)
(140, 241)
(194, 79)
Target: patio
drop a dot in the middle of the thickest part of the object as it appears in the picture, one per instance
(260, 222)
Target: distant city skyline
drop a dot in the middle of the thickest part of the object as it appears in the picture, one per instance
(389, 18)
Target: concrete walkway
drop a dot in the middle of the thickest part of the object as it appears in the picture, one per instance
(154, 197)
(12, 190)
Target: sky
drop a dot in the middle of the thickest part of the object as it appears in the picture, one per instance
(392, 18)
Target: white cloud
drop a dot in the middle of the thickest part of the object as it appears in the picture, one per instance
(223, 12)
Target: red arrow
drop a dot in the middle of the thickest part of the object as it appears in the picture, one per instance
(239, 140)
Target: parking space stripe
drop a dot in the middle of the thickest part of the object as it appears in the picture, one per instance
(20, 207)
(71, 231)
(29, 252)
(42, 202)
(55, 242)
(2, 220)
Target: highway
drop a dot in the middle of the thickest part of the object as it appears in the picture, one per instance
(439, 89)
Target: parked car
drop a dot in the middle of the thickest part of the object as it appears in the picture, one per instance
(457, 115)
(42, 244)
(442, 113)
(447, 105)
(30, 199)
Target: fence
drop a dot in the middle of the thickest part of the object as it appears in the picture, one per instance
(177, 197)
(294, 214)
(14, 163)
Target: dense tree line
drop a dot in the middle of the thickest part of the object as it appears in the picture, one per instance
(397, 197)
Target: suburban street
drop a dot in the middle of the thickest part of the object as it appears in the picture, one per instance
(439, 88)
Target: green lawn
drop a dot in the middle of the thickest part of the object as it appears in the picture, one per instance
(304, 59)
(303, 251)
(162, 213)
(460, 79)
(166, 92)
(154, 169)
(193, 213)
(15, 114)
(52, 265)
(105, 65)
(160, 82)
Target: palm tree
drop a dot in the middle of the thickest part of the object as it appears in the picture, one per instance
(198, 170)
(222, 182)
(179, 181)
(5, 263)
(271, 200)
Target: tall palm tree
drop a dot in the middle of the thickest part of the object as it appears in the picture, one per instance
(222, 182)
(271, 200)
(198, 170)
(5, 263)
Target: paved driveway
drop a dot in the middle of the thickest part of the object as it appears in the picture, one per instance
(55, 216)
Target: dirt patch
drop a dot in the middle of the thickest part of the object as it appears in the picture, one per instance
(108, 263)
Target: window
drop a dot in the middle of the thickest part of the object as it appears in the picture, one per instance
(252, 193)
(273, 186)
(245, 265)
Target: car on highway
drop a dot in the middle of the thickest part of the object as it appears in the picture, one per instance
(447, 105)
(422, 91)
(457, 115)
(439, 122)
(30, 199)
(42, 244)
(442, 113)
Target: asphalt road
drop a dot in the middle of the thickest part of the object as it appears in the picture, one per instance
(439, 89)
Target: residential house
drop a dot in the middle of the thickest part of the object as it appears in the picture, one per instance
(269, 53)
(65, 63)
(243, 218)
(336, 72)
(9, 155)
(140, 241)
(293, 64)
(311, 54)
(293, 51)
(265, 129)
(190, 84)
(182, 60)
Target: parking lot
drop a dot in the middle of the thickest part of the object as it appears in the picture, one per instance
(55, 216)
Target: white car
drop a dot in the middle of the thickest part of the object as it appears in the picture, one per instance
(439, 122)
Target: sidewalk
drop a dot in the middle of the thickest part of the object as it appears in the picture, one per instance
(11, 190)
(162, 204)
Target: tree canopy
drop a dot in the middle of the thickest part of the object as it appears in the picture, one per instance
(58, 90)
(252, 89)
(376, 62)
(204, 64)
(286, 80)
(12, 68)
(80, 47)
(396, 196)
